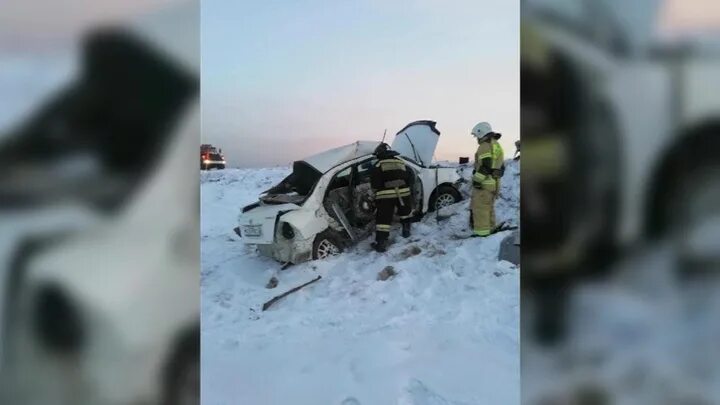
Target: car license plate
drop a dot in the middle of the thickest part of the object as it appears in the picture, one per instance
(252, 230)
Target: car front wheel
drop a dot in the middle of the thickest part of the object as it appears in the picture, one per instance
(443, 197)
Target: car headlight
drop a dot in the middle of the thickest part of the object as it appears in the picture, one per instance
(287, 231)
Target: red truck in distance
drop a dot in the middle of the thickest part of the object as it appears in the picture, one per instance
(211, 157)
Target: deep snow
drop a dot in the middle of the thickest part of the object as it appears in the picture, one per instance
(444, 330)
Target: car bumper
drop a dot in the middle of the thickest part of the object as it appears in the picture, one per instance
(273, 244)
(286, 251)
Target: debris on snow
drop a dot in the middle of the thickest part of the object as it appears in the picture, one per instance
(285, 294)
(410, 251)
(272, 283)
(386, 273)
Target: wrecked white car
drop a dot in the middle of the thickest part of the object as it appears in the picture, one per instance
(326, 203)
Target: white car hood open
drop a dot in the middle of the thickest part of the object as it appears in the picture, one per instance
(257, 225)
(417, 141)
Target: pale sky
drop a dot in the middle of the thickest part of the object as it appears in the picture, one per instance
(285, 79)
(282, 80)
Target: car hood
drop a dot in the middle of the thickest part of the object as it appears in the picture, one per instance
(417, 141)
(262, 216)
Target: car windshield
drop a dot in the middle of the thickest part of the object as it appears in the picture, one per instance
(302, 180)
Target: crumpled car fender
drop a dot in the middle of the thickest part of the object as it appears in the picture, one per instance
(306, 222)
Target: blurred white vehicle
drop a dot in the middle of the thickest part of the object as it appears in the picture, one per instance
(644, 158)
(326, 203)
(110, 314)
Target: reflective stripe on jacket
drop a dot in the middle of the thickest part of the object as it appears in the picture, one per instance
(389, 179)
(485, 150)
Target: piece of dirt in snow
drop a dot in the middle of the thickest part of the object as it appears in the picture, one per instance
(386, 273)
(410, 251)
(272, 283)
(432, 251)
(253, 315)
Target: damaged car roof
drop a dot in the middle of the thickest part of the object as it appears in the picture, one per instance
(325, 161)
(416, 141)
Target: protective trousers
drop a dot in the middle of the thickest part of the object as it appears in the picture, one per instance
(483, 210)
(385, 212)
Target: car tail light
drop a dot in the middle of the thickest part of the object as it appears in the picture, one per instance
(287, 231)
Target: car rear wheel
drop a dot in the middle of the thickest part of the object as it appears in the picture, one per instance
(326, 245)
(443, 197)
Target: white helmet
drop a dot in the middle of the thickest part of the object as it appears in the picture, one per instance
(481, 130)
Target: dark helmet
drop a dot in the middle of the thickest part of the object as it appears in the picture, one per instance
(381, 149)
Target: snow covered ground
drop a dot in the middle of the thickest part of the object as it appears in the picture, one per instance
(444, 330)
(646, 335)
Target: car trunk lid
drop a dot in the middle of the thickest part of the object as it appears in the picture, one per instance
(257, 225)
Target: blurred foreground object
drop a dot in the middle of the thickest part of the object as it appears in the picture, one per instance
(107, 312)
(620, 132)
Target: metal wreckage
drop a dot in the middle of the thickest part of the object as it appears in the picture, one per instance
(326, 204)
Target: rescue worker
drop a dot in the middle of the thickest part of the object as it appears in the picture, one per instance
(391, 180)
(489, 168)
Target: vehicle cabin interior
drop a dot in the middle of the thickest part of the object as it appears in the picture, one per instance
(294, 188)
(350, 190)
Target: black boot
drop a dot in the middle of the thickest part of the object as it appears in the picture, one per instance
(406, 229)
(379, 245)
